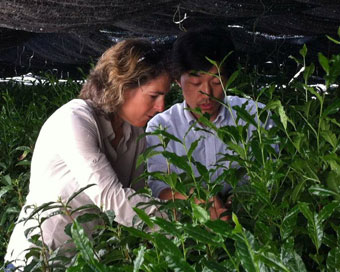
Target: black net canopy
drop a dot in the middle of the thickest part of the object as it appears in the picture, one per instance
(65, 35)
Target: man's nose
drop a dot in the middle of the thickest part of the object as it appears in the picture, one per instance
(206, 89)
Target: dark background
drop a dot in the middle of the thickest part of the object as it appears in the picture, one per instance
(65, 36)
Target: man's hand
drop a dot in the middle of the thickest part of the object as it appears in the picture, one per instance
(167, 194)
(216, 210)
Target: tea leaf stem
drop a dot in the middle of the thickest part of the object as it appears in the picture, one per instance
(230, 257)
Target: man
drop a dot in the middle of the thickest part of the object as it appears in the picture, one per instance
(202, 88)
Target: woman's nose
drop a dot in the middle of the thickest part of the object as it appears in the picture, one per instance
(160, 104)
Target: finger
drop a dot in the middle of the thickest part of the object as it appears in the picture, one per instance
(222, 214)
(218, 203)
(213, 213)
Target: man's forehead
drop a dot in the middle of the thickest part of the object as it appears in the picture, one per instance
(202, 73)
(197, 73)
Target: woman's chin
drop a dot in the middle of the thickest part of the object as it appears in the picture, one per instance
(138, 124)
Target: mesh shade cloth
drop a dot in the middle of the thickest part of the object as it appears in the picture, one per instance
(38, 35)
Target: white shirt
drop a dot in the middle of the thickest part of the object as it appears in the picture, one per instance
(178, 121)
(72, 151)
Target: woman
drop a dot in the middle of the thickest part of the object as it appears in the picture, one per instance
(93, 140)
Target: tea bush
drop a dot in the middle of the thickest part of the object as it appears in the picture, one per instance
(285, 218)
(24, 108)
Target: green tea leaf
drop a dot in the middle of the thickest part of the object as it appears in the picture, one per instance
(84, 246)
(170, 227)
(212, 266)
(333, 40)
(273, 261)
(244, 115)
(79, 192)
(4, 190)
(330, 138)
(324, 62)
(276, 104)
(314, 226)
(309, 70)
(333, 181)
(87, 217)
(283, 117)
(139, 259)
(327, 211)
(146, 155)
(295, 59)
(262, 192)
(231, 79)
(200, 213)
(7, 179)
(321, 191)
(202, 235)
(221, 227)
(86, 207)
(213, 62)
(335, 166)
(331, 109)
(312, 91)
(142, 215)
(178, 264)
(193, 147)
(202, 170)
(289, 223)
(179, 161)
(238, 149)
(256, 150)
(138, 233)
(228, 133)
(167, 246)
(82, 242)
(245, 251)
(24, 163)
(297, 139)
(41, 208)
(333, 260)
(165, 134)
(303, 51)
(80, 265)
(292, 260)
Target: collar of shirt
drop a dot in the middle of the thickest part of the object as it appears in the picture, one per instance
(109, 134)
(220, 120)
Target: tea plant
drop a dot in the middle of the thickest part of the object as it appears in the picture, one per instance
(23, 110)
(284, 218)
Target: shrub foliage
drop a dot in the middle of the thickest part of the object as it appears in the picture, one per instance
(285, 218)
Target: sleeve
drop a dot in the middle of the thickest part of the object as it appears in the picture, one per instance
(155, 163)
(80, 150)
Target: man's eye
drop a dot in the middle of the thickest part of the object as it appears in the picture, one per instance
(215, 81)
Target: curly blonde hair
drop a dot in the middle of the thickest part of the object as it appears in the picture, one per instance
(126, 65)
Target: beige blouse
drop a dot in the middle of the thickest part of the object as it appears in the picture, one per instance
(72, 151)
